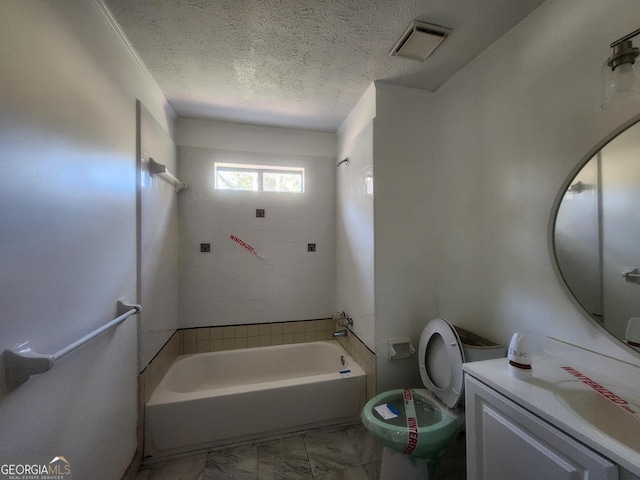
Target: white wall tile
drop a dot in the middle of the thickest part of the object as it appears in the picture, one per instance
(159, 242)
(231, 285)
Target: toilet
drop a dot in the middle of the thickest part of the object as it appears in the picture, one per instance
(410, 448)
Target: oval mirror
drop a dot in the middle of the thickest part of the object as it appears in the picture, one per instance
(596, 235)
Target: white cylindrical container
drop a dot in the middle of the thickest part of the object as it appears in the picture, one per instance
(519, 357)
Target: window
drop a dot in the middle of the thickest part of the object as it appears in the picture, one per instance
(231, 176)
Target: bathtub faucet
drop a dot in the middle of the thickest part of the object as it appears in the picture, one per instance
(343, 319)
(340, 333)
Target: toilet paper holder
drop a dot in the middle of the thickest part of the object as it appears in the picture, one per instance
(400, 348)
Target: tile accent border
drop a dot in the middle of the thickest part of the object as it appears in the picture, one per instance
(232, 337)
(363, 357)
(157, 368)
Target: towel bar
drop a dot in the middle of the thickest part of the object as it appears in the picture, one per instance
(21, 362)
(156, 168)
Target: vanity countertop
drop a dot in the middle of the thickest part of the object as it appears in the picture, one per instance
(593, 398)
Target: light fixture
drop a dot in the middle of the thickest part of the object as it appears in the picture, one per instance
(419, 40)
(621, 77)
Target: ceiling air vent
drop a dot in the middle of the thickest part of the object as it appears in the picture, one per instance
(419, 40)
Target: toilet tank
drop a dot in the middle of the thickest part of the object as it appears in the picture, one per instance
(476, 348)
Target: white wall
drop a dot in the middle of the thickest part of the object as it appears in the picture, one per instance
(158, 284)
(68, 241)
(470, 175)
(513, 125)
(405, 152)
(252, 138)
(229, 285)
(386, 241)
(355, 276)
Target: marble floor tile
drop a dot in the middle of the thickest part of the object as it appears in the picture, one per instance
(284, 459)
(143, 474)
(373, 470)
(355, 473)
(369, 450)
(335, 453)
(330, 452)
(239, 463)
(189, 468)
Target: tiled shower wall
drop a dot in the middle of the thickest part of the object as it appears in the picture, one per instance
(230, 286)
(158, 282)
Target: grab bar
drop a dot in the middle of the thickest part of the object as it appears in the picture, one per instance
(20, 362)
(156, 168)
(631, 273)
(131, 310)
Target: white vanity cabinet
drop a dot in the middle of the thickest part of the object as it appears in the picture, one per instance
(505, 442)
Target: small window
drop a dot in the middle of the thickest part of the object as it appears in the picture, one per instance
(258, 178)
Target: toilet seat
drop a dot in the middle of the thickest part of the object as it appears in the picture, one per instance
(441, 363)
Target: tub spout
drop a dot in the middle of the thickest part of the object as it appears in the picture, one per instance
(340, 333)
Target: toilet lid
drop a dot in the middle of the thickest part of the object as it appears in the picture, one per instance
(441, 358)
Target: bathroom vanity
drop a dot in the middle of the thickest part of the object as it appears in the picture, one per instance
(578, 417)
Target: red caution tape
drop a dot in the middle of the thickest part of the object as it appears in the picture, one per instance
(246, 246)
(412, 422)
(606, 393)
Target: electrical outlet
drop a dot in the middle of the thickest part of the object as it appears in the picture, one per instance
(260, 212)
(205, 247)
(311, 247)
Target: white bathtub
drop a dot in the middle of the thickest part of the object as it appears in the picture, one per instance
(211, 399)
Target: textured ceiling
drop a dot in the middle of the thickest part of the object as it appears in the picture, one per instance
(299, 63)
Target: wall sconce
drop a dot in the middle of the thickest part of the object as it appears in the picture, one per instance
(621, 78)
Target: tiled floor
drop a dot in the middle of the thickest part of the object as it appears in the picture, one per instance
(348, 453)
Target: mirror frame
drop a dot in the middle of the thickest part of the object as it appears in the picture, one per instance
(552, 222)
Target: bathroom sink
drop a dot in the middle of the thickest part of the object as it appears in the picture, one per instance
(606, 408)
(594, 399)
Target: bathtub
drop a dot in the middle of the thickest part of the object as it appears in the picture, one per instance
(218, 398)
